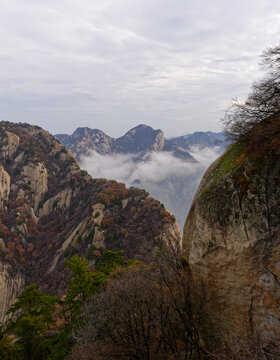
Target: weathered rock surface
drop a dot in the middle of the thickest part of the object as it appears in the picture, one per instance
(11, 286)
(36, 176)
(50, 210)
(5, 185)
(232, 243)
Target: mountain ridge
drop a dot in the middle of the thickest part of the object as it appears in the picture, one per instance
(145, 146)
(140, 139)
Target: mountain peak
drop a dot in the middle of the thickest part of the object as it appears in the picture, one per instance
(141, 138)
(142, 127)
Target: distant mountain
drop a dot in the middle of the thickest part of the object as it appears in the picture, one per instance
(84, 140)
(140, 140)
(201, 140)
(178, 169)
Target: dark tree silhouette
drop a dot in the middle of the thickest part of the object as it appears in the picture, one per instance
(144, 313)
(262, 102)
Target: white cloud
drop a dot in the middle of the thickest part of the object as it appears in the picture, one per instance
(205, 156)
(153, 168)
(167, 178)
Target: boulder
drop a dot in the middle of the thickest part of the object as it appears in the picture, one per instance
(231, 241)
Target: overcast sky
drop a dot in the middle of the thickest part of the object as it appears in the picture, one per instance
(112, 64)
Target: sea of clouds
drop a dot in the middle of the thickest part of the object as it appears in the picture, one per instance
(171, 180)
(154, 167)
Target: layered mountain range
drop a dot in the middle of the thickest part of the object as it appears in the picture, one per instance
(50, 210)
(170, 169)
(142, 139)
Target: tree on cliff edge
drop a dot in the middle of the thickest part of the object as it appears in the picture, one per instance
(262, 102)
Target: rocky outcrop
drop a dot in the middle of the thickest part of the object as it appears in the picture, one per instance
(60, 200)
(51, 210)
(11, 286)
(98, 216)
(5, 186)
(11, 145)
(232, 243)
(36, 176)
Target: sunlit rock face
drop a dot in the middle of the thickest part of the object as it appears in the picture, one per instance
(232, 243)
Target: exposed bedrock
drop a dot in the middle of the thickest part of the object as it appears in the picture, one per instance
(232, 243)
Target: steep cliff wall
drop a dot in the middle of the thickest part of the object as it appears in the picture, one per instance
(5, 186)
(50, 210)
(232, 243)
(11, 286)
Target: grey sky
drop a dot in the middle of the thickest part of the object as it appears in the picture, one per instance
(112, 64)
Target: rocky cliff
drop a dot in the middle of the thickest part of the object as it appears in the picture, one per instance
(50, 209)
(11, 285)
(232, 241)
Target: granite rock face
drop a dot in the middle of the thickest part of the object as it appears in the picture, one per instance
(11, 285)
(232, 243)
(50, 210)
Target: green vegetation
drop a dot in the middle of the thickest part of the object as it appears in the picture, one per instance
(228, 163)
(54, 204)
(120, 220)
(90, 252)
(66, 253)
(97, 214)
(17, 171)
(84, 172)
(90, 236)
(143, 312)
(31, 318)
(31, 334)
(8, 350)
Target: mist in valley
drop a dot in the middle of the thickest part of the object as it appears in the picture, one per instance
(169, 179)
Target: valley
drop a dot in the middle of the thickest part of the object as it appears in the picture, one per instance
(170, 170)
